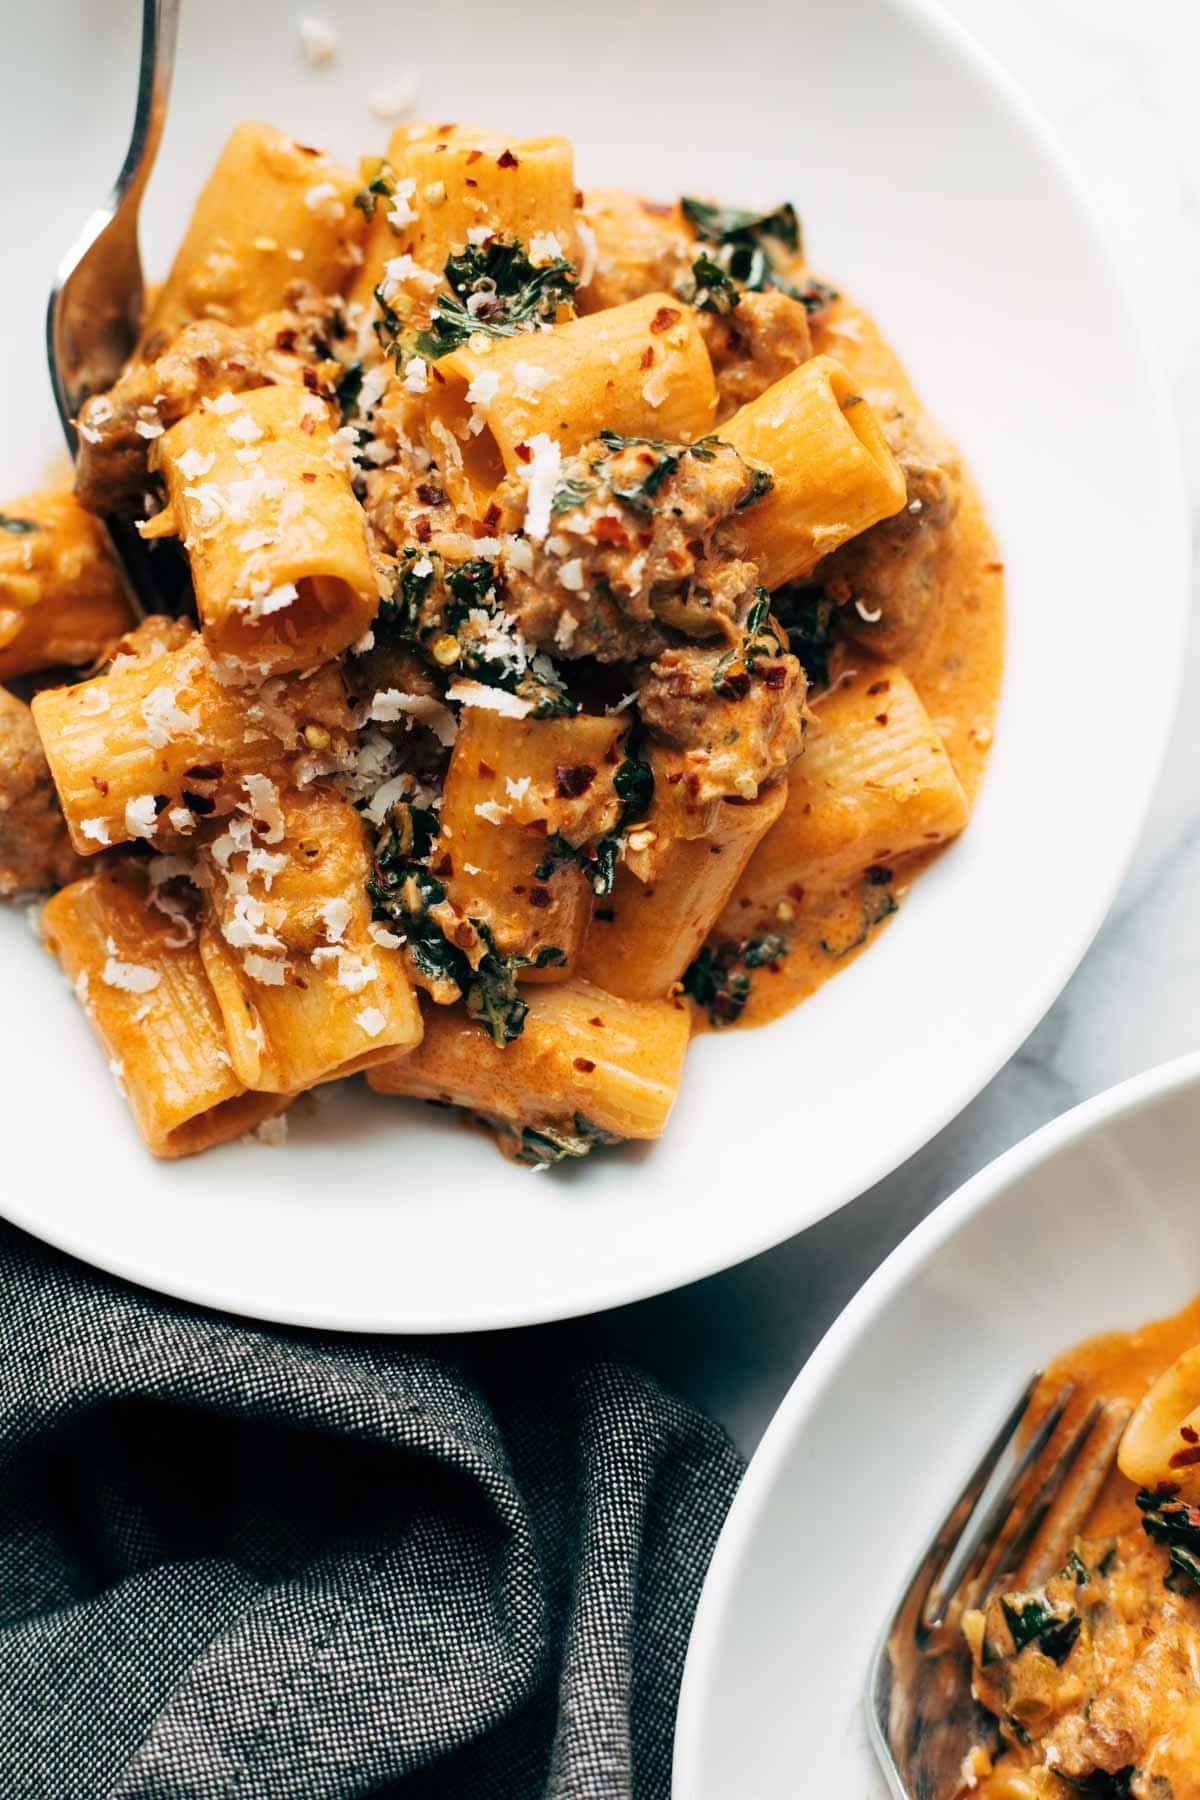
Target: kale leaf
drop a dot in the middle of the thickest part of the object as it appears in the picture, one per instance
(497, 290)
(403, 892)
(717, 979)
(1177, 1525)
(878, 903)
(711, 289)
(549, 1144)
(1032, 1619)
(760, 641)
(746, 252)
(633, 784)
(807, 617)
(17, 527)
(348, 390)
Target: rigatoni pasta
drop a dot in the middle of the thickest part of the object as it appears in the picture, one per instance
(138, 974)
(524, 709)
(61, 598)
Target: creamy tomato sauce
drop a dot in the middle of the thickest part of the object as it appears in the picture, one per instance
(956, 667)
(1119, 1715)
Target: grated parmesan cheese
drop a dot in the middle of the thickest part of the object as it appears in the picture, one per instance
(264, 969)
(370, 1020)
(324, 201)
(403, 212)
(544, 247)
(335, 916)
(387, 940)
(96, 830)
(264, 805)
(140, 816)
(165, 719)
(517, 790)
(540, 475)
(489, 699)
(194, 463)
(392, 101)
(130, 978)
(416, 375)
(587, 243)
(390, 704)
(318, 41)
(272, 1132)
(491, 812)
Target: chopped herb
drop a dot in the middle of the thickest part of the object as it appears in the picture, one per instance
(640, 495)
(761, 482)
(569, 494)
(747, 245)
(711, 288)
(633, 784)
(495, 289)
(878, 903)
(717, 980)
(403, 893)
(760, 641)
(17, 527)
(1033, 1619)
(1177, 1525)
(807, 616)
(730, 224)
(348, 390)
(550, 1144)
(381, 186)
(1076, 1568)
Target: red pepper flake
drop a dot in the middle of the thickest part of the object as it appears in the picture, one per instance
(470, 181)
(578, 197)
(664, 318)
(608, 530)
(674, 780)
(881, 718)
(573, 779)
(437, 374)
(423, 528)
(796, 891)
(879, 687)
(285, 341)
(656, 209)
(308, 425)
(430, 495)
(308, 475)
(647, 357)
(605, 914)
(775, 677)
(1183, 1459)
(584, 1064)
(994, 568)
(645, 539)
(523, 453)
(309, 378)
(486, 771)
(597, 1021)
(1189, 1434)
(490, 520)
(307, 150)
(506, 160)
(100, 785)
(238, 368)
(539, 896)
(473, 156)
(464, 935)
(444, 864)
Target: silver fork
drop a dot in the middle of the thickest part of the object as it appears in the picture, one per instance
(1012, 1524)
(95, 308)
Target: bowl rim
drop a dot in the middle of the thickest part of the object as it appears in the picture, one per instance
(987, 1188)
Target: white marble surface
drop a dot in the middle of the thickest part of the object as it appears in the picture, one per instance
(1117, 83)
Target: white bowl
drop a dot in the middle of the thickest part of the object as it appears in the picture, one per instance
(930, 192)
(1091, 1224)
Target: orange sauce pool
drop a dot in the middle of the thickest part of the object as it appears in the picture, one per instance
(956, 668)
(1118, 1365)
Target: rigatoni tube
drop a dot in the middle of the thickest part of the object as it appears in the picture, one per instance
(272, 213)
(61, 599)
(618, 1063)
(307, 994)
(834, 474)
(875, 783)
(138, 974)
(276, 539)
(640, 369)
